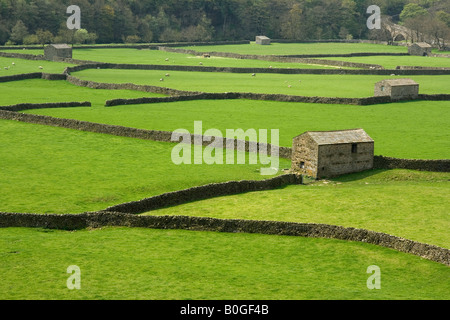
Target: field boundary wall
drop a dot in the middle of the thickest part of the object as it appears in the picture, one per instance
(311, 230)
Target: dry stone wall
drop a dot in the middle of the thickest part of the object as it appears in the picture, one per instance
(204, 192)
(103, 219)
(29, 106)
(381, 162)
(8, 113)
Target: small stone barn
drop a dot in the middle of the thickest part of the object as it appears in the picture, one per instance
(420, 49)
(397, 89)
(321, 154)
(57, 51)
(263, 40)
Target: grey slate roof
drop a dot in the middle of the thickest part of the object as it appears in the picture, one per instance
(422, 44)
(340, 136)
(60, 46)
(399, 82)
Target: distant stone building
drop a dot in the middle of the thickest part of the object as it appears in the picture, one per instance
(57, 52)
(420, 49)
(263, 40)
(397, 89)
(320, 154)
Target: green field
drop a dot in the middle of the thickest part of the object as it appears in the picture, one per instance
(48, 91)
(55, 170)
(52, 170)
(146, 56)
(127, 263)
(346, 86)
(404, 203)
(403, 130)
(300, 48)
(391, 62)
(29, 66)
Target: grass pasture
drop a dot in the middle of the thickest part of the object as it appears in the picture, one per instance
(55, 170)
(404, 203)
(345, 86)
(300, 48)
(59, 170)
(403, 130)
(47, 91)
(391, 62)
(145, 264)
(30, 66)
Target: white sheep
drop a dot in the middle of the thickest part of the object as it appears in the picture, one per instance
(253, 74)
(13, 64)
(41, 67)
(167, 59)
(201, 63)
(167, 75)
(161, 79)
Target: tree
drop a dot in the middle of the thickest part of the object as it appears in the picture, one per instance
(81, 36)
(411, 11)
(19, 32)
(292, 27)
(44, 36)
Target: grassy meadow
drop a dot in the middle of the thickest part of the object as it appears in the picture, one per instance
(391, 62)
(300, 48)
(55, 170)
(145, 264)
(404, 203)
(345, 86)
(47, 91)
(29, 66)
(403, 130)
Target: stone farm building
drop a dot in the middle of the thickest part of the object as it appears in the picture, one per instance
(397, 89)
(262, 40)
(419, 49)
(57, 51)
(321, 154)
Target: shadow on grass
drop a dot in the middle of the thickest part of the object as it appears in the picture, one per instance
(358, 175)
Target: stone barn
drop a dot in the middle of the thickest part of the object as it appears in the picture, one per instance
(321, 154)
(263, 40)
(57, 51)
(420, 49)
(397, 89)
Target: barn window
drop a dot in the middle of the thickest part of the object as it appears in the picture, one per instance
(302, 164)
(354, 147)
(382, 88)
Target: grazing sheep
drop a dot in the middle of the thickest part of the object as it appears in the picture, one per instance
(253, 74)
(289, 86)
(167, 59)
(167, 75)
(13, 64)
(41, 67)
(161, 79)
(200, 63)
